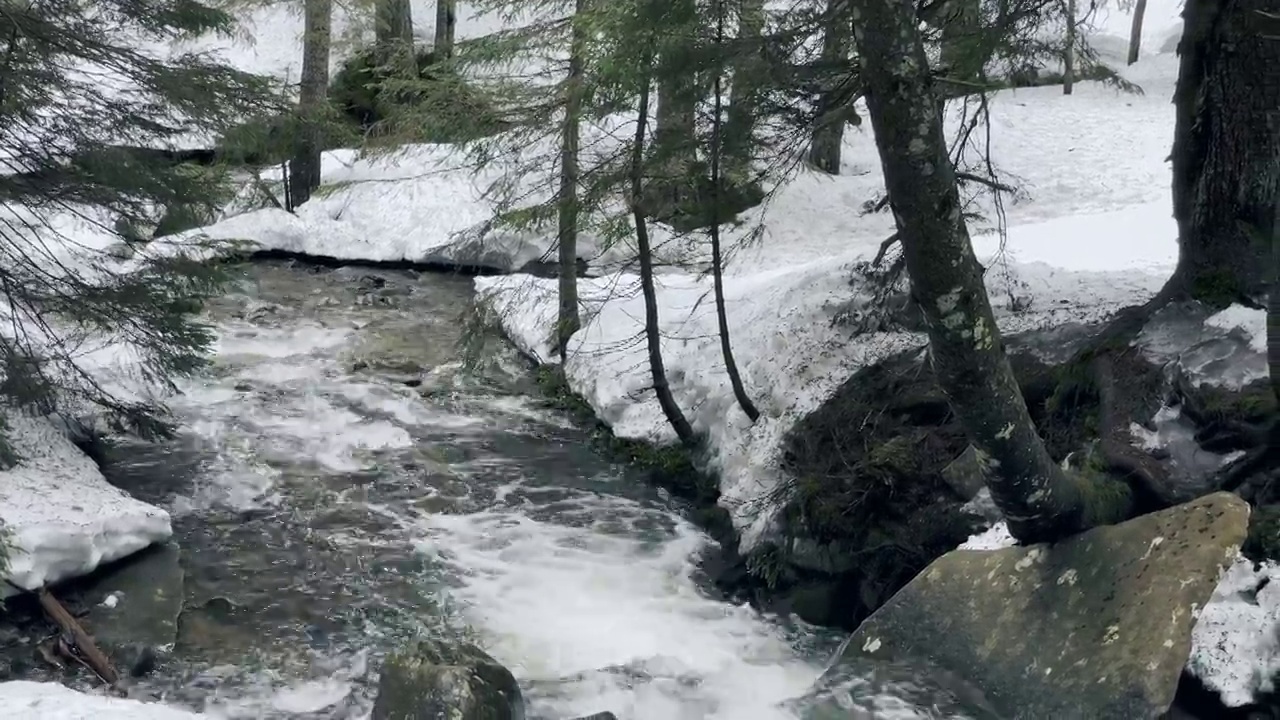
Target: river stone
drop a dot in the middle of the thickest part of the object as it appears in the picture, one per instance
(1097, 626)
(437, 680)
(141, 616)
(967, 474)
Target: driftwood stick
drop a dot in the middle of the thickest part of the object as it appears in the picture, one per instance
(92, 656)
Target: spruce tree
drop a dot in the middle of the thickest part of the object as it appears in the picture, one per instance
(91, 105)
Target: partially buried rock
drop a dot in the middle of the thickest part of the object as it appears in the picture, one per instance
(435, 680)
(1097, 626)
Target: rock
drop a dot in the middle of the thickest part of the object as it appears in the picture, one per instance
(433, 679)
(606, 715)
(1097, 626)
(136, 607)
(966, 474)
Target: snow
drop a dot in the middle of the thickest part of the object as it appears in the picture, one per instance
(61, 516)
(24, 700)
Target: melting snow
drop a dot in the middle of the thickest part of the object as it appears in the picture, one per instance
(25, 700)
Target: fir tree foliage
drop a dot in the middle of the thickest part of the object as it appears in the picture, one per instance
(91, 103)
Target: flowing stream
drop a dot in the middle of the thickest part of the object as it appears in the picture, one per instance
(344, 483)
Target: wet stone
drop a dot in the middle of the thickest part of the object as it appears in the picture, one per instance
(137, 604)
(1097, 627)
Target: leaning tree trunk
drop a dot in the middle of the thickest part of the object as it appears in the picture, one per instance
(1039, 500)
(1135, 31)
(304, 170)
(716, 151)
(1226, 158)
(446, 24)
(567, 238)
(749, 69)
(652, 332)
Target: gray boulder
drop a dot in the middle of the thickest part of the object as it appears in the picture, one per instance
(1097, 626)
(438, 680)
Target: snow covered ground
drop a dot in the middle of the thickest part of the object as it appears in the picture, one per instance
(61, 517)
(23, 700)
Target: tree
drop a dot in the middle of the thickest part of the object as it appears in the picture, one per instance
(1038, 498)
(678, 96)
(304, 169)
(446, 25)
(1069, 47)
(567, 235)
(1135, 31)
(652, 329)
(716, 151)
(1226, 155)
(833, 104)
(749, 70)
(73, 87)
(393, 28)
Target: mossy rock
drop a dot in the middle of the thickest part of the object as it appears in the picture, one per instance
(433, 679)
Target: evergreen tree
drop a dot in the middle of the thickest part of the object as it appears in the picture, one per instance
(313, 101)
(87, 106)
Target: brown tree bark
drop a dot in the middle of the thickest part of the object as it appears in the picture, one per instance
(828, 131)
(1039, 499)
(446, 26)
(1226, 155)
(304, 169)
(567, 236)
(652, 330)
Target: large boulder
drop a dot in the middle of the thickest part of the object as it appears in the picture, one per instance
(434, 680)
(1098, 626)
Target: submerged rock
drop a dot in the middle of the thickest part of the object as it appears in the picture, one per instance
(136, 619)
(433, 679)
(1098, 626)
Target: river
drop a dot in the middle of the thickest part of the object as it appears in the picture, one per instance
(344, 482)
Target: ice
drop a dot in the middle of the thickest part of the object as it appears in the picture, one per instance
(24, 700)
(62, 517)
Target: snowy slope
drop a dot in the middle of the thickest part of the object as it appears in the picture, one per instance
(61, 516)
(24, 700)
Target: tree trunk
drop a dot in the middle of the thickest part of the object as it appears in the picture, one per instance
(673, 137)
(446, 23)
(1273, 295)
(567, 237)
(964, 51)
(828, 131)
(393, 27)
(652, 331)
(749, 70)
(1135, 31)
(1226, 157)
(304, 170)
(1069, 52)
(717, 267)
(1040, 501)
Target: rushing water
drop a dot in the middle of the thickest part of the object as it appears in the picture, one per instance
(344, 483)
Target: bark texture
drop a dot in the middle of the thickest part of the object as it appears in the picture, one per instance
(393, 26)
(1069, 50)
(567, 236)
(1226, 154)
(678, 93)
(1039, 499)
(446, 24)
(828, 132)
(304, 170)
(652, 332)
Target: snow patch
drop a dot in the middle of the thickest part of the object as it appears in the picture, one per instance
(25, 700)
(1235, 647)
(62, 517)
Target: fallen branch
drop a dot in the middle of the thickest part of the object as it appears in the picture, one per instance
(963, 176)
(86, 648)
(884, 248)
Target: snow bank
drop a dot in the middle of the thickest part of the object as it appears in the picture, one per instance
(24, 700)
(61, 516)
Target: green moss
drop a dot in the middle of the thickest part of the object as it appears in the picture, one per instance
(669, 466)
(1255, 402)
